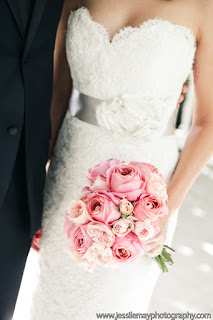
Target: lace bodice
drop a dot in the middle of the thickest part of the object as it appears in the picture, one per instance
(149, 62)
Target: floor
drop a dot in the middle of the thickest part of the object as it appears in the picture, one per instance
(188, 286)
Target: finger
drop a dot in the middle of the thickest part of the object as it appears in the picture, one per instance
(36, 240)
(185, 88)
(156, 251)
(153, 245)
(181, 98)
(178, 105)
(35, 247)
(157, 238)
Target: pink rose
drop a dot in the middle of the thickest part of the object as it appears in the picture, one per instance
(156, 185)
(150, 206)
(101, 233)
(100, 207)
(100, 182)
(98, 253)
(102, 191)
(145, 229)
(127, 248)
(145, 168)
(77, 236)
(81, 240)
(122, 226)
(126, 181)
(100, 170)
(85, 194)
(77, 212)
(126, 207)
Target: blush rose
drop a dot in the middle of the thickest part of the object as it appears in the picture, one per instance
(156, 185)
(150, 206)
(101, 233)
(77, 212)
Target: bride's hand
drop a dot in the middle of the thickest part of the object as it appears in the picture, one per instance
(36, 240)
(182, 96)
(156, 243)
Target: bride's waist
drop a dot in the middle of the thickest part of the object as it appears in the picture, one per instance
(85, 109)
(127, 115)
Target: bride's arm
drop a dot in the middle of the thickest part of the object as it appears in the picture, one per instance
(62, 82)
(198, 147)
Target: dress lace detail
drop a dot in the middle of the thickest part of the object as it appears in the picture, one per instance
(125, 31)
(138, 60)
(138, 76)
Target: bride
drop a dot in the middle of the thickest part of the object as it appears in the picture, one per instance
(137, 53)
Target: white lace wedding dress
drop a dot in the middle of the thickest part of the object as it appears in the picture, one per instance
(129, 86)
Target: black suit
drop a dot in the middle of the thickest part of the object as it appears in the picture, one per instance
(26, 72)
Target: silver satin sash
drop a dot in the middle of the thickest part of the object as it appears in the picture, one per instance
(124, 111)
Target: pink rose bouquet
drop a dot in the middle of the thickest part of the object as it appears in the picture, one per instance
(115, 216)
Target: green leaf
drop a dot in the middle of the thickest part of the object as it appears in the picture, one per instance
(158, 260)
(167, 256)
(124, 216)
(163, 263)
(117, 208)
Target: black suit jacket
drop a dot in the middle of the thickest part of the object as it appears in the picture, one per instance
(26, 79)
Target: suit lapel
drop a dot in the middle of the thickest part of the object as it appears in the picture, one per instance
(16, 15)
(38, 9)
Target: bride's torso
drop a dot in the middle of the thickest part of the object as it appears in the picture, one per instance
(140, 68)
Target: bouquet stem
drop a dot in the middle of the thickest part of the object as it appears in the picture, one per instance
(165, 258)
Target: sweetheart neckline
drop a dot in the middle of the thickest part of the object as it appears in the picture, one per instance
(142, 25)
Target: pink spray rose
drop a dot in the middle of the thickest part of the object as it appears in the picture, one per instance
(77, 212)
(127, 248)
(145, 229)
(126, 181)
(101, 233)
(100, 207)
(122, 226)
(126, 207)
(151, 207)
